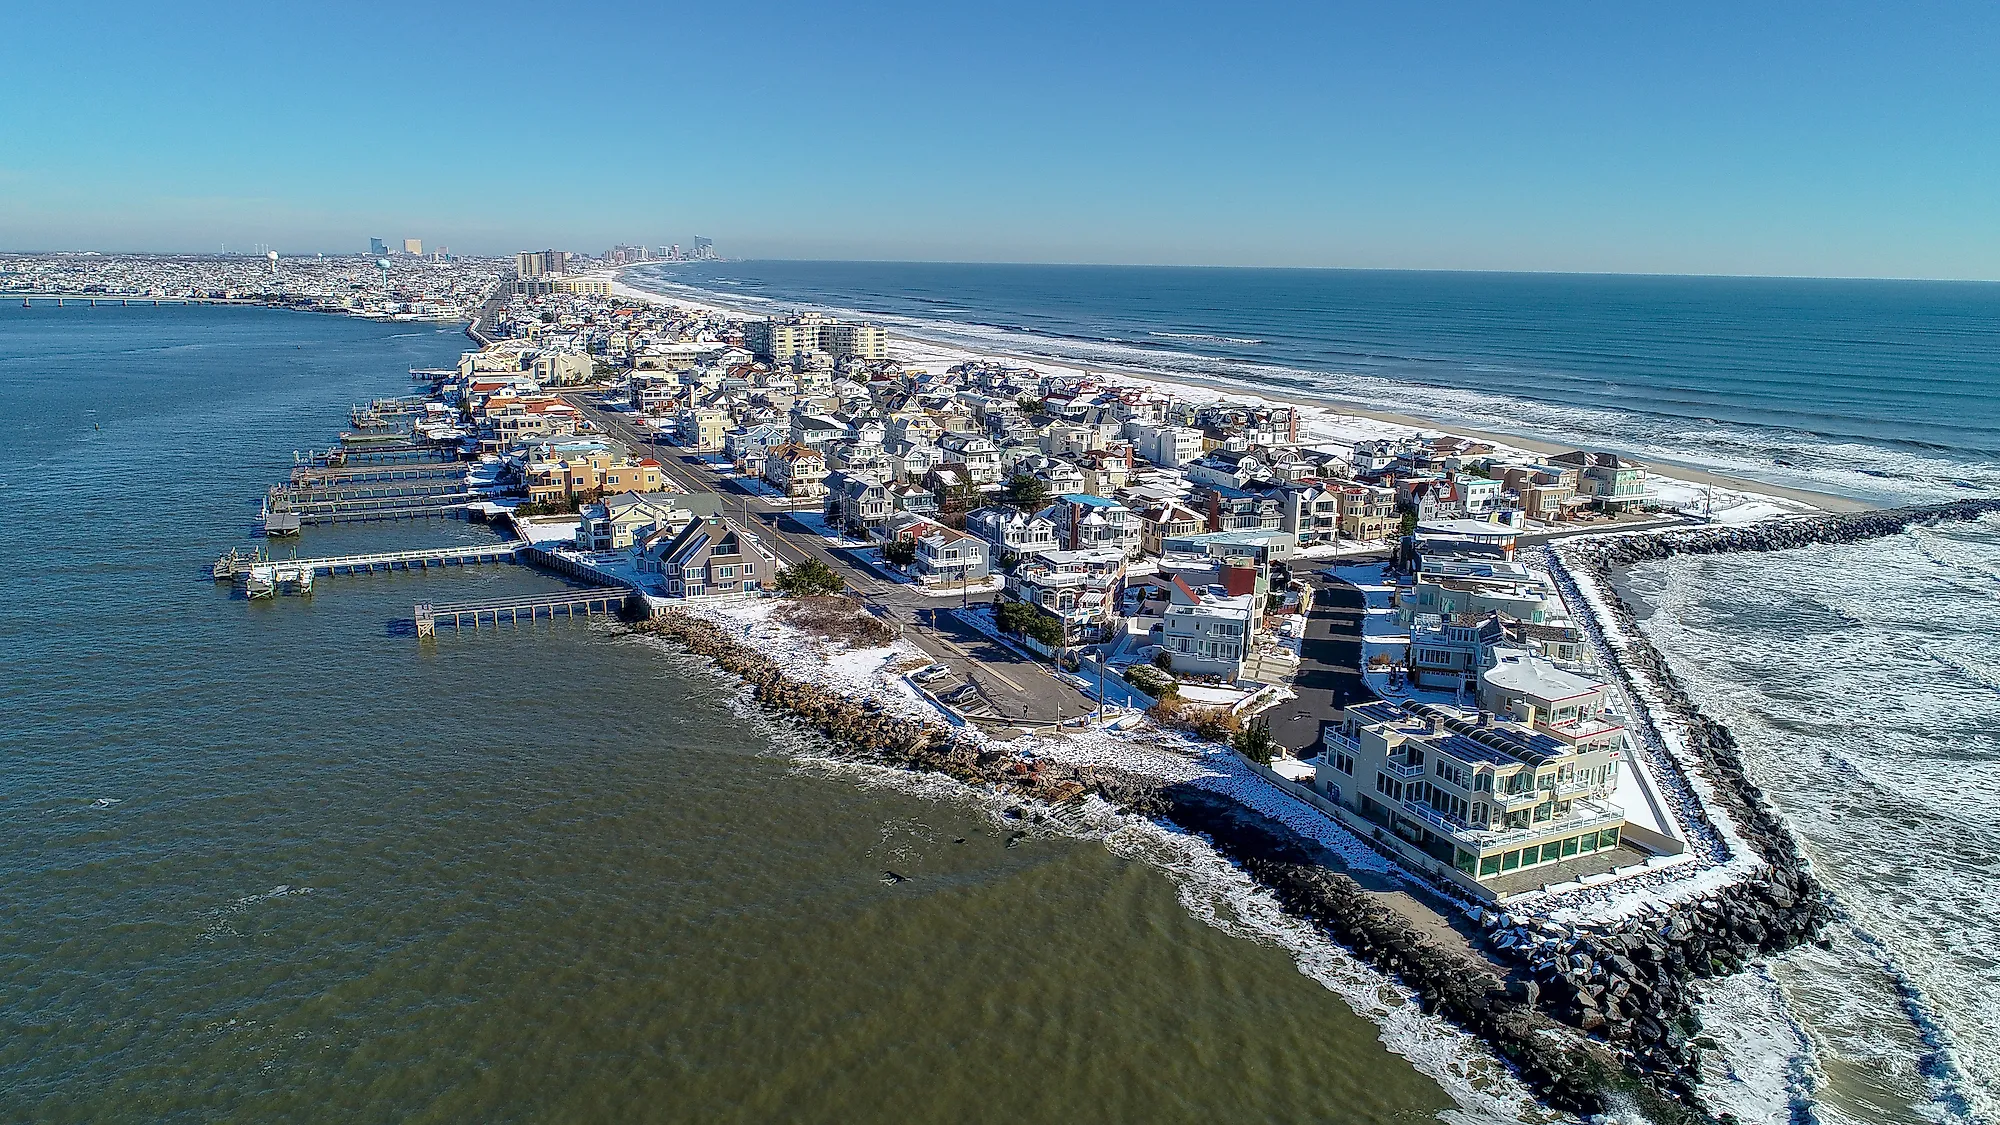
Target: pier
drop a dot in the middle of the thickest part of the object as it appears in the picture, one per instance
(442, 506)
(236, 564)
(568, 603)
(308, 476)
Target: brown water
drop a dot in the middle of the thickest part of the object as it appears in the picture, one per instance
(280, 862)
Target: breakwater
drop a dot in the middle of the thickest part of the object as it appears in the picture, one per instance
(1567, 1072)
(1633, 982)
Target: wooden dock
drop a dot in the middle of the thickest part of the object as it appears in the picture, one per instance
(567, 603)
(236, 565)
(304, 476)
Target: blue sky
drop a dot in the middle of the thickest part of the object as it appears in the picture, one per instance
(1823, 139)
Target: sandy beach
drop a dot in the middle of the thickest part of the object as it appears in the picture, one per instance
(1739, 499)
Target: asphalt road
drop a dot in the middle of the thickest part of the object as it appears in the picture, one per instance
(1329, 666)
(1016, 691)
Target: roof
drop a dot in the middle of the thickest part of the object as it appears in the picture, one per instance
(1539, 677)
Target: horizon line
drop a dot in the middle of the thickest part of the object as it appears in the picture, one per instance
(1072, 265)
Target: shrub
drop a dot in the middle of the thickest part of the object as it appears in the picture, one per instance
(1163, 660)
(1215, 724)
(902, 552)
(836, 618)
(810, 578)
(1152, 681)
(1254, 742)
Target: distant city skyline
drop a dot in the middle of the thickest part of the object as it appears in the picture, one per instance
(1831, 140)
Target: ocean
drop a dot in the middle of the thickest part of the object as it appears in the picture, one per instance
(1817, 384)
(1862, 680)
(280, 862)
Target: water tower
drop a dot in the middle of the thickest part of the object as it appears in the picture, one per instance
(383, 265)
(273, 255)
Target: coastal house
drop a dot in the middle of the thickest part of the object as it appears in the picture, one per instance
(1496, 806)
(711, 556)
(1611, 483)
(1311, 511)
(975, 456)
(1166, 520)
(857, 504)
(1207, 632)
(1367, 512)
(1534, 691)
(1012, 532)
(797, 470)
(945, 556)
(618, 520)
(1082, 520)
(1233, 509)
(1079, 588)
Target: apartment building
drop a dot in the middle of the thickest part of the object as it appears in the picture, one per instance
(1501, 807)
(781, 341)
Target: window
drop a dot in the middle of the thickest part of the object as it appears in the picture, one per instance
(1510, 861)
(1344, 763)
(1587, 842)
(1608, 838)
(1489, 865)
(725, 572)
(1569, 847)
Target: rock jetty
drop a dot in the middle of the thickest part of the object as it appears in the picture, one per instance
(1632, 982)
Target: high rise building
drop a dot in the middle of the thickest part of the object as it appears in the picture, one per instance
(414, 246)
(780, 340)
(536, 263)
(377, 248)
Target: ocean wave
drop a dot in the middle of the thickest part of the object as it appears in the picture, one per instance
(1208, 338)
(1881, 470)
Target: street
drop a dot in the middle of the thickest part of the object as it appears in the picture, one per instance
(1018, 692)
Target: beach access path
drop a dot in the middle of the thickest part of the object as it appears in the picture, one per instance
(1022, 692)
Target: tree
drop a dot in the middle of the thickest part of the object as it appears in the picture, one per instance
(1163, 660)
(902, 552)
(1028, 493)
(1030, 621)
(810, 578)
(1031, 405)
(1254, 742)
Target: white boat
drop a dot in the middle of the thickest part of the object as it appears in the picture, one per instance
(261, 581)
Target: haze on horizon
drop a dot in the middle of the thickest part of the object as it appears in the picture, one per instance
(1827, 139)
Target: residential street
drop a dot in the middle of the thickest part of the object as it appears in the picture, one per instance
(1018, 692)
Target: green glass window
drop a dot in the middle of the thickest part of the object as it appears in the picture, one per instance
(1608, 838)
(1510, 861)
(1490, 865)
(1588, 841)
(1464, 860)
(1569, 847)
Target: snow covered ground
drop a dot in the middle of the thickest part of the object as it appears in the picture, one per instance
(1318, 425)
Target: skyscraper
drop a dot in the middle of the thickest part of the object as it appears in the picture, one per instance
(377, 248)
(532, 263)
(414, 246)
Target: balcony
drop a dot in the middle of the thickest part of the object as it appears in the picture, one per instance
(1514, 802)
(1402, 770)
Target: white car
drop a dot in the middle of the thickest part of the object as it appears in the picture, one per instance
(933, 672)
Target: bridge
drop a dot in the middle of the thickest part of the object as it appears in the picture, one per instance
(567, 603)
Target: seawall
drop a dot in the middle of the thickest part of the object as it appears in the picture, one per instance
(1634, 982)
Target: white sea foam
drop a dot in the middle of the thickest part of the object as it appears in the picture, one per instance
(1841, 466)
(1857, 680)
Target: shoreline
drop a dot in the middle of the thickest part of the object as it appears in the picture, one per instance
(1337, 408)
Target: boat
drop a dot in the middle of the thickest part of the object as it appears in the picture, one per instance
(261, 582)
